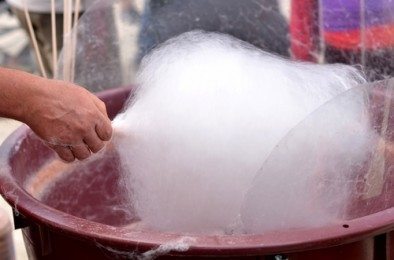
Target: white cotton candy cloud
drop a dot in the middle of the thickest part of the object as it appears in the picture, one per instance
(208, 112)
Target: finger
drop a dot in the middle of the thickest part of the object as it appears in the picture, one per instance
(81, 151)
(94, 143)
(104, 129)
(101, 106)
(63, 152)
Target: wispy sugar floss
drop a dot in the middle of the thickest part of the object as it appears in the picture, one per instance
(208, 111)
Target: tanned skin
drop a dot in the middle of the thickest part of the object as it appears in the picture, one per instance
(69, 119)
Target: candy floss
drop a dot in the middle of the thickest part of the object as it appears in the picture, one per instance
(208, 111)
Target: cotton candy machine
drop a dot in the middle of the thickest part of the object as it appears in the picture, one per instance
(80, 210)
(76, 211)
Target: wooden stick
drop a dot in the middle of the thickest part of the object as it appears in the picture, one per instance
(67, 23)
(65, 5)
(76, 12)
(34, 40)
(70, 13)
(74, 38)
(54, 39)
(69, 36)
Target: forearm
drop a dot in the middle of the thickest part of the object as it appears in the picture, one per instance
(16, 89)
(70, 120)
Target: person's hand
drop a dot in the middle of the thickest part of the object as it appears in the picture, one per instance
(70, 119)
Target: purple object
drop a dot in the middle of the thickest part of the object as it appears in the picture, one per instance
(344, 15)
